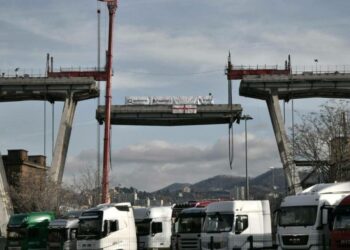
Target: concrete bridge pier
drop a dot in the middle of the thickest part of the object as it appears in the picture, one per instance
(283, 144)
(62, 141)
(6, 208)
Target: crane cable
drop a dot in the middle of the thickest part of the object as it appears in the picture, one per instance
(230, 144)
(230, 127)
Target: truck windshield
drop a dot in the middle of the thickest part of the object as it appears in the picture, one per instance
(342, 222)
(297, 216)
(16, 234)
(190, 224)
(143, 227)
(218, 222)
(57, 235)
(89, 229)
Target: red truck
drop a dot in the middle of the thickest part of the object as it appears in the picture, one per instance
(340, 235)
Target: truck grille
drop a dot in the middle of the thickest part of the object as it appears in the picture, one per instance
(191, 243)
(343, 244)
(295, 240)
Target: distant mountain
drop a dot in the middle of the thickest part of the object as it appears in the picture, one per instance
(273, 177)
(218, 183)
(173, 188)
(263, 183)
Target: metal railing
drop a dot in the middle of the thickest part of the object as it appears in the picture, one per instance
(321, 69)
(306, 69)
(23, 73)
(255, 67)
(79, 69)
(32, 73)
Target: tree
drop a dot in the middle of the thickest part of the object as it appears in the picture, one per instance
(30, 194)
(34, 195)
(322, 139)
(85, 186)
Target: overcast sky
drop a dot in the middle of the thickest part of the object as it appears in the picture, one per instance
(166, 47)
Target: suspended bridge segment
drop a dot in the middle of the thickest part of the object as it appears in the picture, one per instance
(171, 115)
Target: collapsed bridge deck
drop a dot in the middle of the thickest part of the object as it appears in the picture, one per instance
(165, 115)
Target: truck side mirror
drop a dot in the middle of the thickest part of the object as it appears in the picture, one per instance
(324, 216)
(106, 228)
(239, 227)
(73, 234)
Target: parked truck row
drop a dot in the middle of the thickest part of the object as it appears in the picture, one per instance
(317, 218)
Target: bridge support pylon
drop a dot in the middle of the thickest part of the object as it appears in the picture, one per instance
(283, 144)
(62, 141)
(6, 208)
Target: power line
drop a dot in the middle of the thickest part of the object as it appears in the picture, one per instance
(170, 74)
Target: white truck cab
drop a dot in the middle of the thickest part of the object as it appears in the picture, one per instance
(303, 220)
(189, 225)
(62, 234)
(233, 225)
(107, 226)
(153, 227)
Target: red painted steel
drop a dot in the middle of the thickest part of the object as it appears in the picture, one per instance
(97, 75)
(236, 74)
(112, 7)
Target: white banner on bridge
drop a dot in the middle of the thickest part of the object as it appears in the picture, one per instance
(185, 100)
(137, 100)
(161, 100)
(205, 100)
(184, 109)
(169, 100)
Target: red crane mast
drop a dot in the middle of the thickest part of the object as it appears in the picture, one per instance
(98, 75)
(112, 7)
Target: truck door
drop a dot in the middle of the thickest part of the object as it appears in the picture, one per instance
(157, 235)
(241, 231)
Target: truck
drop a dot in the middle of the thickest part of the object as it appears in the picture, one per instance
(340, 234)
(237, 224)
(28, 230)
(63, 232)
(188, 227)
(304, 220)
(153, 226)
(107, 226)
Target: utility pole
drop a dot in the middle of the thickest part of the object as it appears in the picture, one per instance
(246, 118)
(112, 7)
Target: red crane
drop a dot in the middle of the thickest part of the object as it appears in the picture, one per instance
(112, 8)
(98, 75)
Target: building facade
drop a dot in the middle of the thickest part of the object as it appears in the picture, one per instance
(21, 166)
